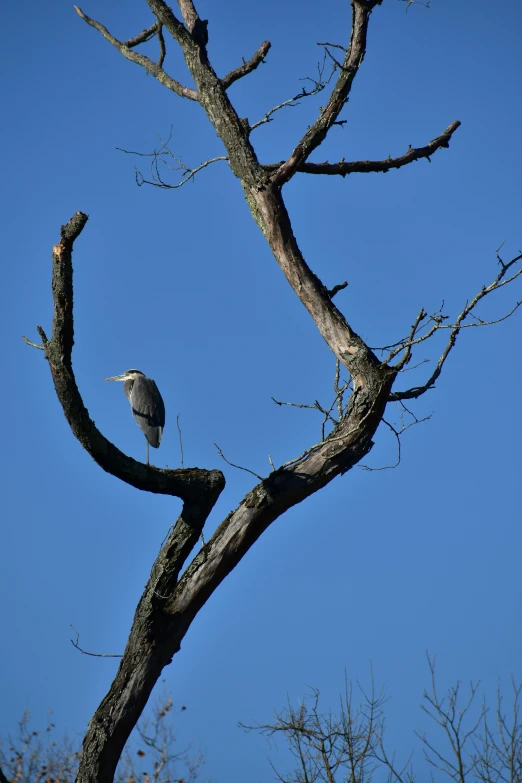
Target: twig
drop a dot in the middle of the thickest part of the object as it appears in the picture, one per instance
(339, 390)
(239, 467)
(319, 85)
(33, 345)
(330, 439)
(316, 407)
(159, 155)
(455, 328)
(140, 59)
(84, 652)
(407, 353)
(180, 439)
(334, 46)
(247, 67)
(335, 290)
(416, 2)
(162, 48)
(398, 434)
(142, 37)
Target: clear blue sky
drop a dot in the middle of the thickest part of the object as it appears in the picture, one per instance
(376, 568)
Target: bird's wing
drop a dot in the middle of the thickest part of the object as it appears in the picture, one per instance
(148, 409)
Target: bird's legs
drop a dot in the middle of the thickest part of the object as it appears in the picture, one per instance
(147, 449)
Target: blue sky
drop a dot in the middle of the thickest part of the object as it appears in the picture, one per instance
(380, 566)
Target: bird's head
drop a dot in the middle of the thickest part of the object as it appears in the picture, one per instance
(128, 375)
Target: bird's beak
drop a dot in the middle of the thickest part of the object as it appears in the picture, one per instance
(116, 378)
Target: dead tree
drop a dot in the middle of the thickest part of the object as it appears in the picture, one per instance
(170, 601)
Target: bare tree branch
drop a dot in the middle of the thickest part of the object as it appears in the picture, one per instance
(438, 323)
(75, 643)
(315, 135)
(327, 412)
(33, 345)
(335, 290)
(398, 434)
(142, 37)
(319, 85)
(153, 68)
(365, 166)
(161, 155)
(162, 48)
(239, 467)
(247, 67)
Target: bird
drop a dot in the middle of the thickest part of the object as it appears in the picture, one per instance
(147, 405)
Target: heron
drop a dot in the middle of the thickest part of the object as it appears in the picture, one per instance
(147, 405)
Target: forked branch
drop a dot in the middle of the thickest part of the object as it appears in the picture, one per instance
(155, 69)
(436, 322)
(318, 85)
(160, 156)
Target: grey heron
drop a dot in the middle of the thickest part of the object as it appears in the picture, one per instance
(147, 405)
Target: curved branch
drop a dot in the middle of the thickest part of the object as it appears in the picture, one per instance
(247, 67)
(190, 484)
(342, 168)
(153, 68)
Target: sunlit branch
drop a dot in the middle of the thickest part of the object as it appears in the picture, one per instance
(153, 68)
(342, 168)
(398, 434)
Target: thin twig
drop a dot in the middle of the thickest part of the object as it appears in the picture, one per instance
(318, 85)
(158, 156)
(239, 467)
(438, 323)
(398, 434)
(140, 59)
(84, 652)
(180, 439)
(331, 438)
